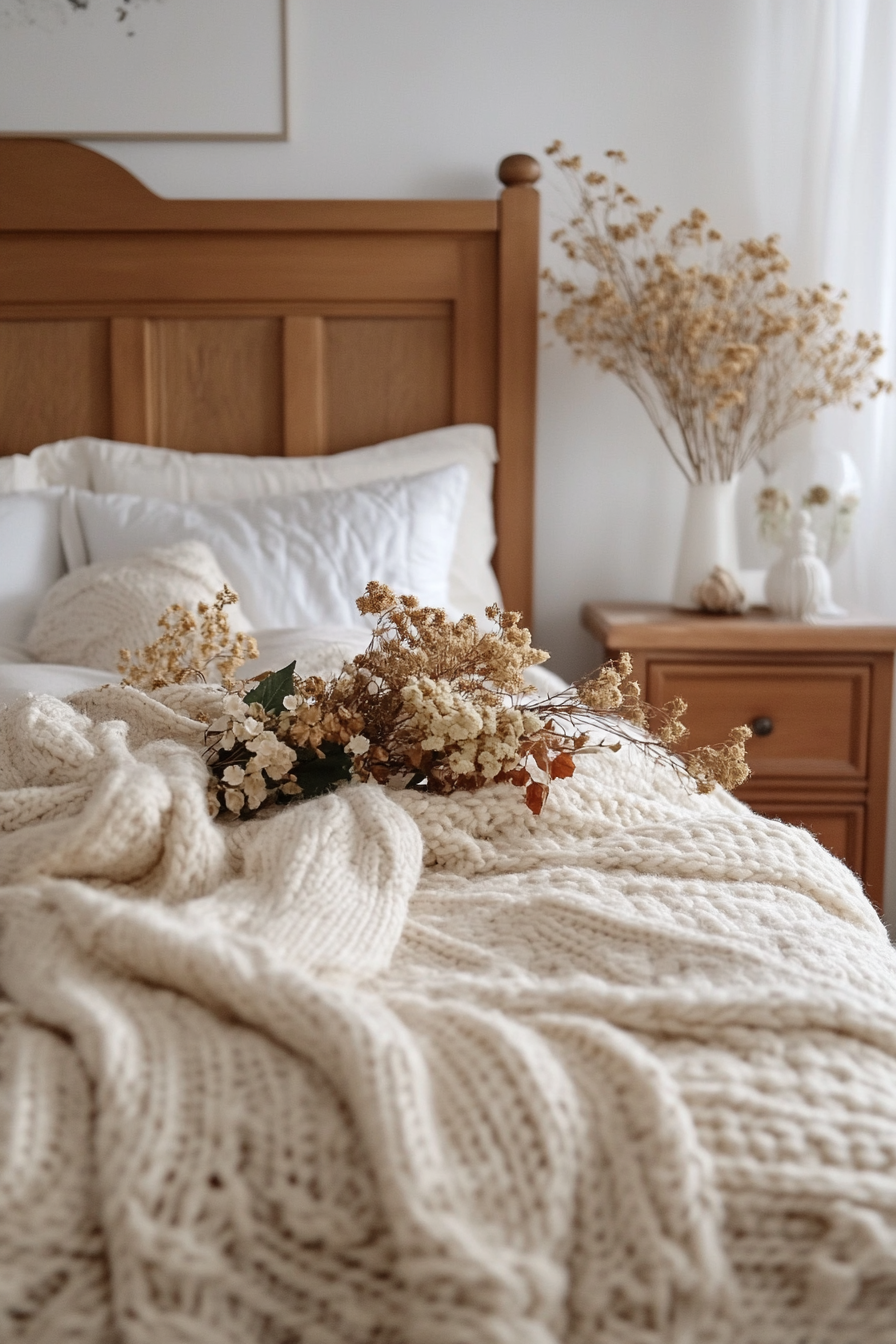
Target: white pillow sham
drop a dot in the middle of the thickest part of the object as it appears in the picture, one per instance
(18, 472)
(105, 466)
(91, 614)
(31, 561)
(296, 561)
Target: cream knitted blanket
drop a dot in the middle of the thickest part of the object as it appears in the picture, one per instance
(385, 1068)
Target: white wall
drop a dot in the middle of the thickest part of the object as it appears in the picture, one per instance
(423, 98)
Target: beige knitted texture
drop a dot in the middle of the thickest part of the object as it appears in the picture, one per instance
(94, 612)
(389, 1067)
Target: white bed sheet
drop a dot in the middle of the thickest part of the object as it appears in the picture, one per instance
(57, 679)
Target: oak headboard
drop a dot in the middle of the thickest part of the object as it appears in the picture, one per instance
(268, 327)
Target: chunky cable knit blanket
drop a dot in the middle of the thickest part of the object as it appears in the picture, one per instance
(382, 1067)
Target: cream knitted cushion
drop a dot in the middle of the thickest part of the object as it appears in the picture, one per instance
(89, 615)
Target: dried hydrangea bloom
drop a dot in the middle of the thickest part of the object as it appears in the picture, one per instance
(473, 737)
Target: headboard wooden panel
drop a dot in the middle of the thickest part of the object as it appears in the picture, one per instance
(267, 327)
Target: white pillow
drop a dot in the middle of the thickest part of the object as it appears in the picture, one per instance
(90, 615)
(31, 561)
(299, 560)
(318, 653)
(20, 473)
(163, 473)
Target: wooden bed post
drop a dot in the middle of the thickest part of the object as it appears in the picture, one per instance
(517, 361)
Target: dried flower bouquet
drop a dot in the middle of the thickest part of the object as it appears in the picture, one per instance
(722, 353)
(431, 703)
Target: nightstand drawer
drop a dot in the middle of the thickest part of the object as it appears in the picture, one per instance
(809, 720)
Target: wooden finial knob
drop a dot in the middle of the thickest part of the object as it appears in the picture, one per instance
(519, 170)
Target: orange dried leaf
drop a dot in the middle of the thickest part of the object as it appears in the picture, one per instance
(539, 753)
(536, 796)
(562, 766)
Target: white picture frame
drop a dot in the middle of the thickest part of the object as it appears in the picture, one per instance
(143, 69)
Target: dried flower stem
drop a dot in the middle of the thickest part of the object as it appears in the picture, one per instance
(188, 647)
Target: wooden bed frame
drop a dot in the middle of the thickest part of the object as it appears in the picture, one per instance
(268, 327)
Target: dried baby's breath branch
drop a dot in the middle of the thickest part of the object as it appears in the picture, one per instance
(610, 699)
(188, 647)
(722, 353)
(441, 705)
(725, 764)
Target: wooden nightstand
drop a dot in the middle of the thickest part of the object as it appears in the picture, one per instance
(816, 696)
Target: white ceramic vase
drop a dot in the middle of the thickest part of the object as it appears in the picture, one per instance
(709, 538)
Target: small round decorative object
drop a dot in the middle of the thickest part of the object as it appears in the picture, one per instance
(762, 726)
(798, 584)
(519, 170)
(721, 594)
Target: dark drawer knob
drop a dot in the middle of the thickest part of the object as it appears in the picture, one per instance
(762, 726)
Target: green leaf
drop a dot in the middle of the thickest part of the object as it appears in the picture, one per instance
(271, 692)
(318, 776)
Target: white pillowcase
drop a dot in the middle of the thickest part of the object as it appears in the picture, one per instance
(299, 560)
(31, 561)
(318, 653)
(21, 473)
(90, 615)
(163, 473)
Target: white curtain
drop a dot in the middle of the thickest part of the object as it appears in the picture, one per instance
(823, 112)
